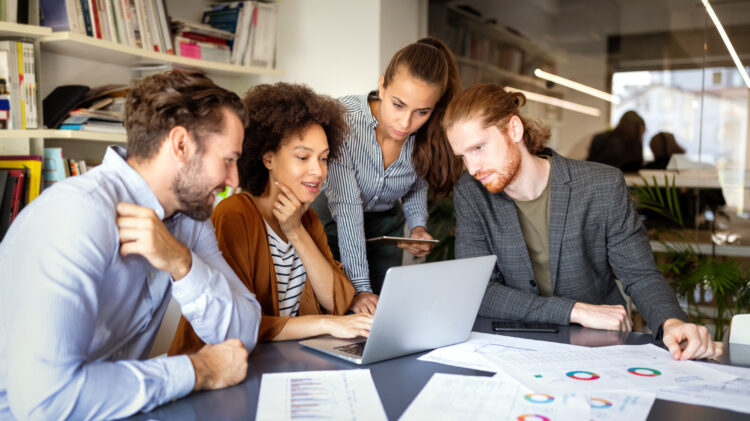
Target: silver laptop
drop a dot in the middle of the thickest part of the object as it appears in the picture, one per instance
(420, 307)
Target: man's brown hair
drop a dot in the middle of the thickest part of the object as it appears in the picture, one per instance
(494, 106)
(158, 103)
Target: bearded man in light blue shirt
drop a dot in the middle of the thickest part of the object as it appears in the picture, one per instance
(89, 267)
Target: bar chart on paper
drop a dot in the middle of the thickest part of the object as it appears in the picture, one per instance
(310, 395)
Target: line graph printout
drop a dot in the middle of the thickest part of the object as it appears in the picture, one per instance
(470, 354)
(732, 395)
(477, 398)
(319, 395)
(619, 367)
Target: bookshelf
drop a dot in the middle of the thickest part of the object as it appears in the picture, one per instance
(64, 134)
(66, 57)
(19, 30)
(88, 48)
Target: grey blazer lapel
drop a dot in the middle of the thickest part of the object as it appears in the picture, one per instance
(559, 199)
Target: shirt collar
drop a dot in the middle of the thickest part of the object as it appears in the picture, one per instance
(364, 107)
(116, 159)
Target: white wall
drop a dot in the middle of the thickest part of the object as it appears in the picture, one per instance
(340, 47)
(331, 45)
(401, 23)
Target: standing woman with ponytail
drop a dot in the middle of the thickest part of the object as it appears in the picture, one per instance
(395, 151)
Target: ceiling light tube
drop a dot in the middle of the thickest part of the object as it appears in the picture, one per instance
(575, 85)
(728, 43)
(572, 106)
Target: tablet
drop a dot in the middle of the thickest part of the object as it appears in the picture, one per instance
(387, 239)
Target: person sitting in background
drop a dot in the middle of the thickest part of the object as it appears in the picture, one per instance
(561, 229)
(268, 234)
(663, 145)
(90, 266)
(621, 147)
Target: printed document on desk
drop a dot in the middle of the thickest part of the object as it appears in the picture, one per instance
(733, 395)
(639, 367)
(620, 406)
(469, 354)
(475, 398)
(332, 395)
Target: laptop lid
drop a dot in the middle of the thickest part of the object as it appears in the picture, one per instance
(420, 307)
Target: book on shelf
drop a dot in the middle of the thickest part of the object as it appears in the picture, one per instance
(137, 23)
(186, 47)
(95, 125)
(53, 169)
(20, 11)
(18, 82)
(254, 26)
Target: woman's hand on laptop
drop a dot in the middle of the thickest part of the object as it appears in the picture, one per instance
(349, 326)
(364, 302)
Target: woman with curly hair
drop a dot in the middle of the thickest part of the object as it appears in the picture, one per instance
(268, 234)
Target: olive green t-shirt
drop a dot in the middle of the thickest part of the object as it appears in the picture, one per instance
(534, 218)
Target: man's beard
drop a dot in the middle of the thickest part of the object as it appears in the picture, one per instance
(191, 193)
(508, 173)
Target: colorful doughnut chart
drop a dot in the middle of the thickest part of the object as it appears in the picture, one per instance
(539, 398)
(644, 371)
(582, 375)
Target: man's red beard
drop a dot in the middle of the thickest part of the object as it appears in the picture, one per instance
(505, 176)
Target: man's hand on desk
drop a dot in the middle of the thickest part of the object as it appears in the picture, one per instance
(219, 366)
(364, 302)
(601, 317)
(686, 341)
(141, 232)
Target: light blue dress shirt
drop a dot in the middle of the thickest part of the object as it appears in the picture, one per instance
(77, 318)
(358, 182)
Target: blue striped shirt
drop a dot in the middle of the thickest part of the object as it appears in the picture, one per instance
(358, 182)
(77, 319)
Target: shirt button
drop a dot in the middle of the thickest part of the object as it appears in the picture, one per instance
(532, 283)
(119, 354)
(152, 274)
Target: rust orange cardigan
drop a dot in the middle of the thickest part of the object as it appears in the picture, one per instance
(243, 241)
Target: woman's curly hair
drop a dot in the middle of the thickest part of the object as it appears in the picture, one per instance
(278, 112)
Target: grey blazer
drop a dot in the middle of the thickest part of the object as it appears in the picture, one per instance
(595, 235)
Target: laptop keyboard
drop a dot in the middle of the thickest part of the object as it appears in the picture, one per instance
(356, 348)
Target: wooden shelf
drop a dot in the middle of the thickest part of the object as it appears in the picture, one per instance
(500, 33)
(9, 29)
(85, 47)
(65, 134)
(522, 80)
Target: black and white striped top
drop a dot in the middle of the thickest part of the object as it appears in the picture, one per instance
(358, 183)
(290, 274)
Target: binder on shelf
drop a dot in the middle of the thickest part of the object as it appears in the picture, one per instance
(6, 202)
(60, 102)
(33, 163)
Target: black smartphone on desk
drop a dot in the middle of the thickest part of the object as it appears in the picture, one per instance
(498, 326)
